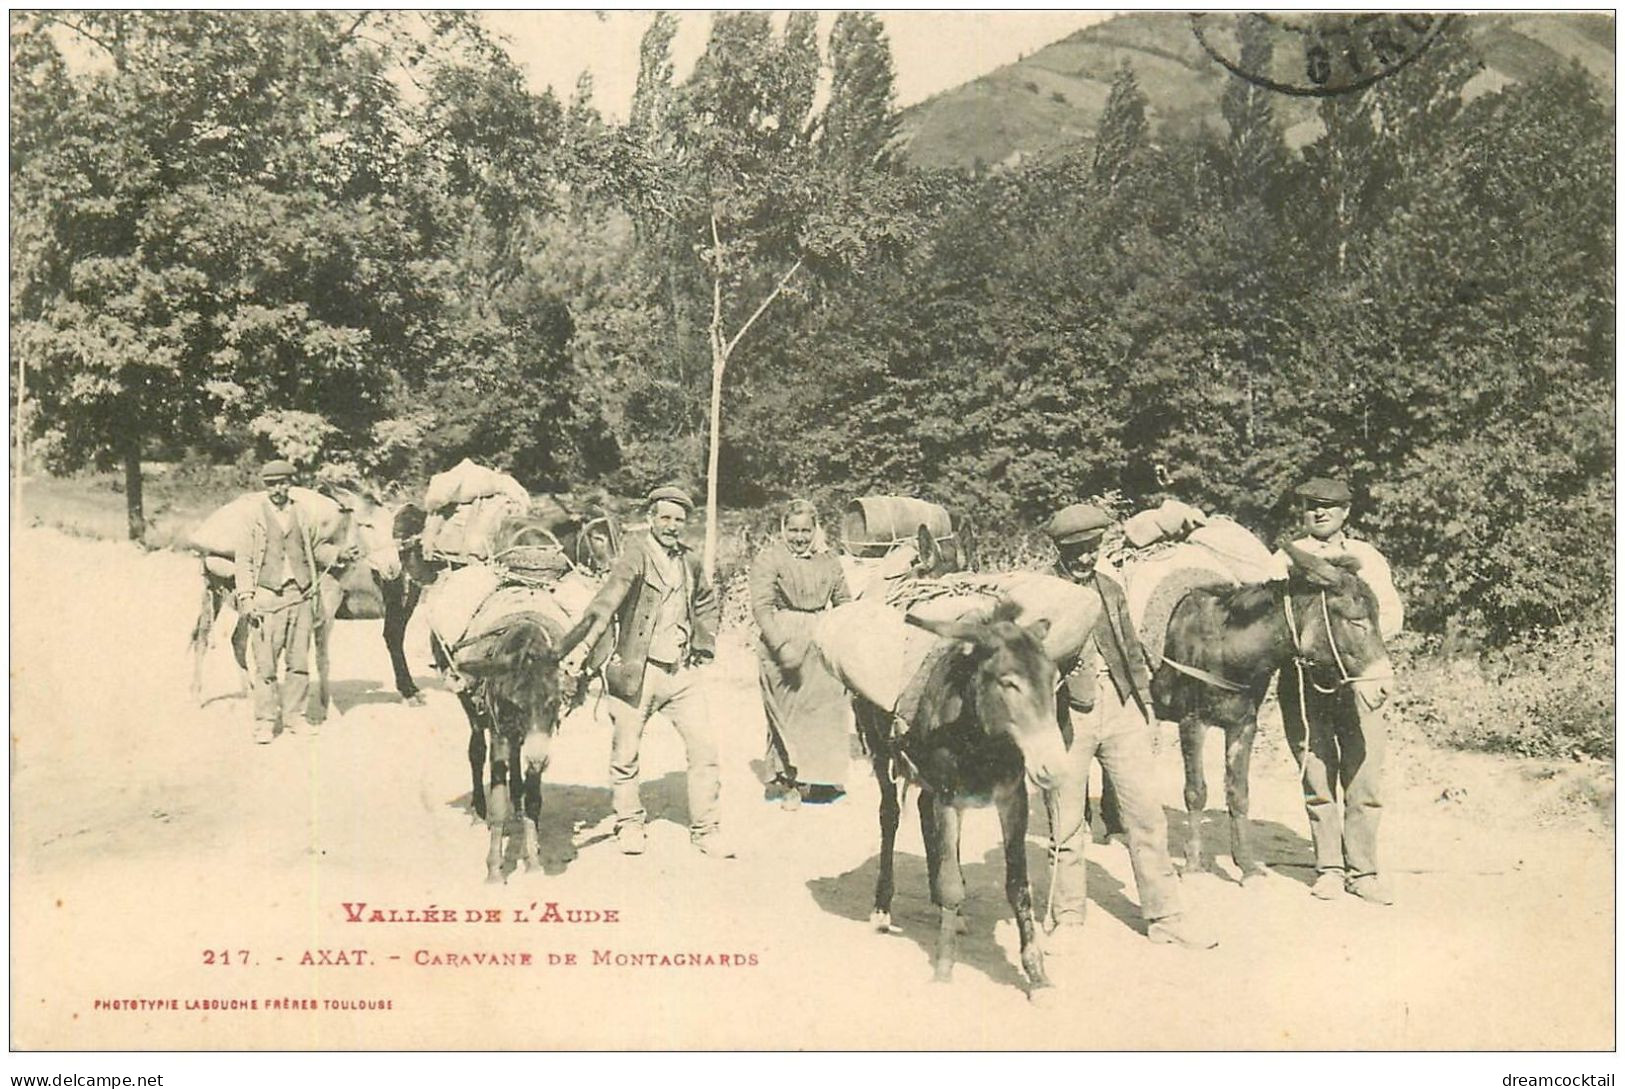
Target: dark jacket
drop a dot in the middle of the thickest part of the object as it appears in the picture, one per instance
(1119, 646)
(622, 598)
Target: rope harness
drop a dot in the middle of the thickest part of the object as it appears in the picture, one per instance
(1301, 662)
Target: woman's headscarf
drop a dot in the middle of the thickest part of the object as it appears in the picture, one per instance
(802, 506)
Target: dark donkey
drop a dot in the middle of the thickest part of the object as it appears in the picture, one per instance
(1224, 646)
(985, 722)
(512, 702)
(590, 541)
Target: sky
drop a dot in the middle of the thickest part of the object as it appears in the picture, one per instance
(932, 50)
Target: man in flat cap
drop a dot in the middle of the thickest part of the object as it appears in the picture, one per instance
(668, 617)
(1104, 710)
(1347, 737)
(279, 563)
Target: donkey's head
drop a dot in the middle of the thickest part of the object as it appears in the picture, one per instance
(1004, 685)
(1337, 623)
(516, 684)
(369, 530)
(921, 557)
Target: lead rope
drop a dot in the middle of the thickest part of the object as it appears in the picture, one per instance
(1297, 666)
(1083, 816)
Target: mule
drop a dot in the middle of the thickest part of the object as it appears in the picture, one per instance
(985, 723)
(590, 542)
(353, 588)
(1224, 646)
(511, 697)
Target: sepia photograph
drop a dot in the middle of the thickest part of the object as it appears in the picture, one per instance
(811, 531)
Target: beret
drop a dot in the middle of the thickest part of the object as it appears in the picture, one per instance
(1324, 490)
(672, 494)
(276, 469)
(1079, 522)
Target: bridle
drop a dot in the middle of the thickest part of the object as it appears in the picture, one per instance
(1300, 666)
(1302, 661)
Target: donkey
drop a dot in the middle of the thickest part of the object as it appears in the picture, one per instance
(353, 588)
(1224, 646)
(985, 722)
(512, 702)
(591, 542)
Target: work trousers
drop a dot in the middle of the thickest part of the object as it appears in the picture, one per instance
(681, 696)
(1341, 770)
(282, 636)
(1117, 734)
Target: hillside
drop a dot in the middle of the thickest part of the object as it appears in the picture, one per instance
(1055, 96)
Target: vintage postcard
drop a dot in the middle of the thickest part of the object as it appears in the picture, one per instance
(395, 348)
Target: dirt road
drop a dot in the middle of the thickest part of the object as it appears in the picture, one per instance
(151, 838)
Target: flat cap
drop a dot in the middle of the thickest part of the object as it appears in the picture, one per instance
(1324, 490)
(277, 469)
(672, 494)
(1077, 523)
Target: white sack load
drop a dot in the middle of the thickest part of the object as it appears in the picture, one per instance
(1238, 549)
(1170, 521)
(467, 481)
(1072, 610)
(875, 652)
(1217, 555)
(479, 499)
(451, 601)
(221, 531)
(462, 604)
(574, 591)
(871, 649)
(495, 611)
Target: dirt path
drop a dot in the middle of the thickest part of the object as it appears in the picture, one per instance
(147, 831)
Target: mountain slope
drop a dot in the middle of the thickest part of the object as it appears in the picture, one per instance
(1055, 96)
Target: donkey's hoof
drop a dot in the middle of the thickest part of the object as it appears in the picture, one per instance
(1253, 876)
(416, 700)
(881, 921)
(1041, 996)
(942, 975)
(495, 879)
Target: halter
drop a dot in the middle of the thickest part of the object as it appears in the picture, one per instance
(1301, 660)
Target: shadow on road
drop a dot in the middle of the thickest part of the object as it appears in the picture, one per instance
(851, 896)
(1280, 848)
(575, 817)
(350, 694)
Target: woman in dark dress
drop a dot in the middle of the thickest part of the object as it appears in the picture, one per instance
(793, 580)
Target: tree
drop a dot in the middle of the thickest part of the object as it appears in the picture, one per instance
(860, 122)
(1122, 130)
(746, 212)
(213, 224)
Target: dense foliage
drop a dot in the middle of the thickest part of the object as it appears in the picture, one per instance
(363, 240)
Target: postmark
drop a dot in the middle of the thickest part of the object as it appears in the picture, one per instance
(1316, 54)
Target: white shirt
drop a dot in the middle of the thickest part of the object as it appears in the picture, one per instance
(1374, 572)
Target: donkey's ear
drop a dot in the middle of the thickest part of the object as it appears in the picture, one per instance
(1347, 561)
(1039, 629)
(1317, 570)
(929, 551)
(947, 629)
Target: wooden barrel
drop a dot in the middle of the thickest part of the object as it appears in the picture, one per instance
(872, 524)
